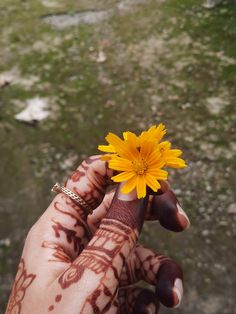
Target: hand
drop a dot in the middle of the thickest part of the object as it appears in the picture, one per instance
(78, 263)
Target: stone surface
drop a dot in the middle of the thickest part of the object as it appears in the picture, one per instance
(37, 109)
(63, 21)
(135, 64)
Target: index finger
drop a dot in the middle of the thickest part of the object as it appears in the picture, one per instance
(62, 232)
(91, 180)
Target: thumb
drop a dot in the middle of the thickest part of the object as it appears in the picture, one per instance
(94, 276)
(128, 210)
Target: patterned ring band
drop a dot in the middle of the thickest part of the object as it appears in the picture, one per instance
(57, 188)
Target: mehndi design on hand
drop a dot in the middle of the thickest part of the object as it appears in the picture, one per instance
(85, 262)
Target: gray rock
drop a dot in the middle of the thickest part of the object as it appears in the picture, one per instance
(63, 21)
(232, 208)
(37, 109)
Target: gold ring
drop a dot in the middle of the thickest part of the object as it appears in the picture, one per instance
(57, 188)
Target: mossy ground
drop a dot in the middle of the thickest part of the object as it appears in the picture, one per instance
(165, 62)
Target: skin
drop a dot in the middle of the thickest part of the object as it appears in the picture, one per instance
(78, 263)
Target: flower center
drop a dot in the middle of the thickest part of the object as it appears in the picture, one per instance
(140, 167)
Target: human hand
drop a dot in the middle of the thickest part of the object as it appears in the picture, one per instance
(78, 263)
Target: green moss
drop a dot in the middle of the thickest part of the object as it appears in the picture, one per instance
(91, 98)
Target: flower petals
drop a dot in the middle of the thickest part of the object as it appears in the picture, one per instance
(107, 148)
(140, 159)
(124, 176)
(129, 185)
(141, 186)
(152, 182)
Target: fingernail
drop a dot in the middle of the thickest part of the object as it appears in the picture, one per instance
(178, 291)
(126, 197)
(169, 286)
(166, 209)
(181, 212)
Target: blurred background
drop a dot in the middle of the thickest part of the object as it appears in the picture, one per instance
(71, 71)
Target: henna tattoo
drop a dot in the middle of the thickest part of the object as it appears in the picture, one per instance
(71, 275)
(131, 213)
(22, 282)
(78, 211)
(169, 287)
(60, 254)
(75, 177)
(58, 298)
(71, 235)
(93, 301)
(94, 174)
(51, 308)
(166, 208)
(78, 216)
(99, 254)
(90, 160)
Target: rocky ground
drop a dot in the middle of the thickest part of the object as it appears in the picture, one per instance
(72, 71)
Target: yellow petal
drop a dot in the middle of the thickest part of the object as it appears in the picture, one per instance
(176, 152)
(159, 174)
(107, 148)
(141, 186)
(160, 131)
(165, 145)
(129, 185)
(106, 157)
(175, 163)
(155, 157)
(120, 164)
(147, 148)
(121, 147)
(132, 139)
(171, 153)
(153, 133)
(125, 135)
(124, 176)
(152, 182)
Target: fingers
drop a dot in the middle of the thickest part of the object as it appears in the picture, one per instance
(157, 270)
(95, 218)
(103, 258)
(163, 206)
(137, 300)
(90, 180)
(127, 209)
(61, 233)
(169, 286)
(166, 208)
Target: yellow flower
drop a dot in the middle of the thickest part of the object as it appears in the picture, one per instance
(171, 156)
(139, 168)
(130, 140)
(153, 133)
(140, 159)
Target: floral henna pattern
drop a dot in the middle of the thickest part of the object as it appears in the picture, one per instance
(22, 282)
(78, 215)
(94, 175)
(71, 236)
(72, 275)
(98, 256)
(77, 237)
(105, 256)
(59, 255)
